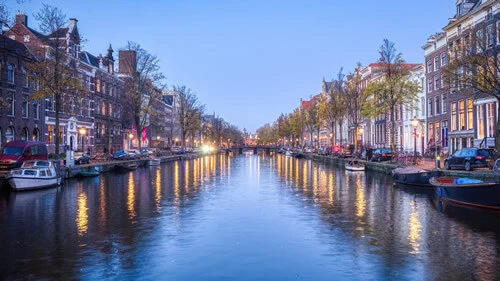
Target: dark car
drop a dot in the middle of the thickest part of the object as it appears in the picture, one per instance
(470, 158)
(120, 155)
(81, 158)
(382, 154)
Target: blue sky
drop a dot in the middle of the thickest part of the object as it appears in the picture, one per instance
(250, 61)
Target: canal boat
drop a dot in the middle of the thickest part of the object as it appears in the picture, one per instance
(415, 177)
(354, 165)
(468, 192)
(36, 174)
(288, 153)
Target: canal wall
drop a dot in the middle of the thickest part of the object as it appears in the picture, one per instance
(386, 168)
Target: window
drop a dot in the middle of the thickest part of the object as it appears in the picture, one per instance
(453, 116)
(438, 82)
(49, 103)
(480, 121)
(89, 108)
(490, 114)
(429, 67)
(429, 88)
(443, 59)
(10, 73)
(436, 63)
(459, 30)
(98, 84)
(103, 108)
(468, 45)
(461, 115)
(50, 134)
(429, 110)
(490, 35)
(479, 40)
(11, 103)
(87, 82)
(25, 78)
(24, 108)
(97, 131)
(431, 132)
(422, 106)
(470, 113)
(445, 109)
(438, 131)
(437, 99)
(36, 110)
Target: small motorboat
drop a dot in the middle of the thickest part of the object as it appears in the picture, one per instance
(34, 174)
(467, 191)
(154, 161)
(354, 165)
(288, 153)
(96, 172)
(125, 167)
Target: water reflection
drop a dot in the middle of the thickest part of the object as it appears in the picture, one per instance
(243, 218)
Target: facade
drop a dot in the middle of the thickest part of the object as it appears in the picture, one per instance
(20, 116)
(435, 104)
(472, 119)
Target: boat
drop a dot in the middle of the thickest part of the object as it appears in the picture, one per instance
(96, 172)
(415, 177)
(288, 153)
(124, 167)
(154, 161)
(468, 192)
(35, 174)
(354, 165)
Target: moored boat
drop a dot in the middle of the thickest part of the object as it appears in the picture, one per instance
(154, 161)
(408, 176)
(124, 167)
(96, 172)
(469, 192)
(354, 165)
(36, 174)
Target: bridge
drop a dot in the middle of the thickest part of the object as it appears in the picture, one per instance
(254, 148)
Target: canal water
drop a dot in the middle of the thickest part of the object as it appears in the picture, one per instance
(249, 217)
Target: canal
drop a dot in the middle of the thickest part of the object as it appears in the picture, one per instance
(248, 217)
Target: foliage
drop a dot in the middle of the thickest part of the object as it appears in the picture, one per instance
(392, 88)
(333, 106)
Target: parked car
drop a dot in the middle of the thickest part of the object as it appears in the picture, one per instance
(470, 158)
(134, 154)
(382, 154)
(178, 150)
(81, 158)
(120, 155)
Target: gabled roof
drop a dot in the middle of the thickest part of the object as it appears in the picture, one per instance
(88, 58)
(14, 46)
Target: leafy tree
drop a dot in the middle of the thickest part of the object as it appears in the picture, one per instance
(392, 88)
(297, 123)
(189, 111)
(283, 127)
(473, 70)
(266, 134)
(312, 118)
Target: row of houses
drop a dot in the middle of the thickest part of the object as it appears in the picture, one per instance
(445, 119)
(99, 121)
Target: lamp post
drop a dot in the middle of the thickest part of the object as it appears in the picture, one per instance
(82, 132)
(414, 123)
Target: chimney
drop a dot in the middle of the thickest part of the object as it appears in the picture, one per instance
(127, 62)
(21, 18)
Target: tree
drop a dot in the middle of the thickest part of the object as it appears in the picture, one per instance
(283, 127)
(266, 134)
(297, 123)
(144, 85)
(333, 106)
(354, 101)
(392, 88)
(189, 111)
(473, 70)
(54, 68)
(312, 118)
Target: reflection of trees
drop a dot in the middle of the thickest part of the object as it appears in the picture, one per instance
(404, 229)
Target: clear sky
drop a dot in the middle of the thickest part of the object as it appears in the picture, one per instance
(249, 61)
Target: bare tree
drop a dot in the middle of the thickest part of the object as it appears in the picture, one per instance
(189, 111)
(312, 118)
(144, 86)
(354, 101)
(54, 67)
(333, 106)
(473, 69)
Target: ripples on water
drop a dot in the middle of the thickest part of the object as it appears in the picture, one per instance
(243, 218)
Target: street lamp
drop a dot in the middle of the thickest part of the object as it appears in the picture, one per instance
(414, 123)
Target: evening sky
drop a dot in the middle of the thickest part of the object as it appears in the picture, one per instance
(250, 61)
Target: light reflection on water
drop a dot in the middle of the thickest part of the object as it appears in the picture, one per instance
(242, 218)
